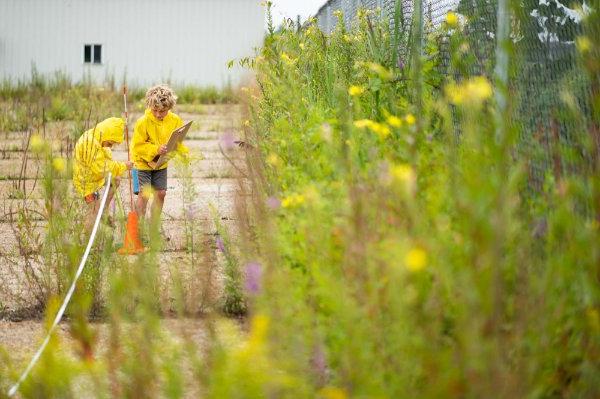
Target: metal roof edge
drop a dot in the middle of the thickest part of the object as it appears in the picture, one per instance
(323, 6)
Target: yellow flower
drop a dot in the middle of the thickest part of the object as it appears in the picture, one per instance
(363, 123)
(415, 260)
(402, 172)
(405, 175)
(455, 94)
(183, 150)
(253, 349)
(287, 59)
(380, 70)
(380, 129)
(452, 19)
(37, 143)
(472, 92)
(394, 121)
(147, 191)
(258, 329)
(584, 44)
(247, 123)
(59, 164)
(333, 393)
(356, 90)
(292, 201)
(301, 46)
(273, 160)
(479, 88)
(410, 119)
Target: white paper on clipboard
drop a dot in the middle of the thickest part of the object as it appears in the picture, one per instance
(176, 138)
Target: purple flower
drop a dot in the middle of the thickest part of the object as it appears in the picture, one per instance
(253, 283)
(227, 141)
(400, 63)
(220, 244)
(273, 203)
(318, 362)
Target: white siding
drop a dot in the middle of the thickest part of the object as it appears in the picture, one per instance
(185, 41)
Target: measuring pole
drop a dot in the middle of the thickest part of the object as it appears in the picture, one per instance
(127, 141)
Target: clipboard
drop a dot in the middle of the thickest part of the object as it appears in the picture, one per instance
(176, 138)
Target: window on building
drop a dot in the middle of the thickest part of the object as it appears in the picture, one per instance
(92, 53)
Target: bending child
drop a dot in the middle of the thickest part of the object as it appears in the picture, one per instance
(150, 136)
(93, 160)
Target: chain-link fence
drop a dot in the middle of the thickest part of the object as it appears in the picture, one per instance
(433, 11)
(545, 68)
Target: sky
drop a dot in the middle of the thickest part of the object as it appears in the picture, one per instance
(291, 8)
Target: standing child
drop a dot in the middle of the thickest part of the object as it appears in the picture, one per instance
(150, 136)
(93, 160)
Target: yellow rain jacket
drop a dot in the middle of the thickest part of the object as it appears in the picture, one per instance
(92, 161)
(149, 134)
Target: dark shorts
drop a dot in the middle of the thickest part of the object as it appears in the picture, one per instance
(156, 178)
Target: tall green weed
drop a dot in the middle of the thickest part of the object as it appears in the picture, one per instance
(402, 254)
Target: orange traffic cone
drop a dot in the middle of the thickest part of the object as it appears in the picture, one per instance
(133, 244)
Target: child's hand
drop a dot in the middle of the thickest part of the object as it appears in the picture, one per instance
(162, 150)
(129, 165)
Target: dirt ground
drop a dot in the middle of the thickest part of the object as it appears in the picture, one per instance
(217, 184)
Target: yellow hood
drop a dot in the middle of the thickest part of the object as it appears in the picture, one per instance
(110, 129)
(92, 161)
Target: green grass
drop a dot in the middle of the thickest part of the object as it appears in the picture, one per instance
(56, 97)
(411, 255)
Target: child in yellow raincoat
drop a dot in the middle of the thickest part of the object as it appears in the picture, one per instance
(150, 136)
(93, 161)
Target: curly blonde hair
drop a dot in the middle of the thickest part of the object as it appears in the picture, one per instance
(160, 97)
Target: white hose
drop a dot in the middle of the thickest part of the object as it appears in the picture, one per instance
(62, 309)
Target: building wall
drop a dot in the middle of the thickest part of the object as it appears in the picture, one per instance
(184, 41)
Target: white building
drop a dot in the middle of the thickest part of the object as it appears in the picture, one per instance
(149, 41)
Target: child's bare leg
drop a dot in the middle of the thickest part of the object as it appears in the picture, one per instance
(109, 198)
(111, 192)
(159, 201)
(93, 208)
(140, 205)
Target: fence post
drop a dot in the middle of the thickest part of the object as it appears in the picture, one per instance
(501, 68)
(417, 54)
